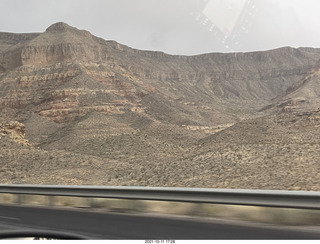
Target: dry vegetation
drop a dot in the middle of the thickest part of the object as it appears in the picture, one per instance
(271, 152)
(97, 112)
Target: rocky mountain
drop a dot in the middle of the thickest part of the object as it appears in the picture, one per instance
(303, 95)
(99, 112)
(64, 73)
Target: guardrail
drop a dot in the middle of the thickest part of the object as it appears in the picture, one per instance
(267, 198)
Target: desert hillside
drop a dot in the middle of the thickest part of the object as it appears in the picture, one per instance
(77, 109)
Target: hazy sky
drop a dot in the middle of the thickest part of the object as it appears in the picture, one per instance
(176, 26)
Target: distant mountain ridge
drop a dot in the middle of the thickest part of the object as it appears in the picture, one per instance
(65, 65)
(77, 109)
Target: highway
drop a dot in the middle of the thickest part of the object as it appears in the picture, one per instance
(102, 225)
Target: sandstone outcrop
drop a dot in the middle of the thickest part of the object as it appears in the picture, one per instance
(15, 131)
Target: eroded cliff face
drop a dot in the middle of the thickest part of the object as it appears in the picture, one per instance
(64, 73)
(303, 95)
(89, 107)
(65, 91)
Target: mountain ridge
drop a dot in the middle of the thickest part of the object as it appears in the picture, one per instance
(193, 83)
(89, 106)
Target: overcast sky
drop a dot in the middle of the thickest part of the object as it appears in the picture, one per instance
(176, 26)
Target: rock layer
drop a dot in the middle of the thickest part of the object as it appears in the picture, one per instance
(65, 73)
(98, 112)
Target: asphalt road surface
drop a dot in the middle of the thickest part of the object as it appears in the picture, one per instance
(97, 225)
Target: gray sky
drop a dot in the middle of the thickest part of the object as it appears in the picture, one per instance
(176, 26)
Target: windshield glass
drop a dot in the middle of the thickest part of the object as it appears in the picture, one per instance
(196, 93)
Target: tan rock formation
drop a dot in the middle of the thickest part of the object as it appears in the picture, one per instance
(15, 131)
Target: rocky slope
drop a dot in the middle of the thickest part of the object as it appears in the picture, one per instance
(303, 95)
(64, 73)
(98, 112)
(277, 151)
